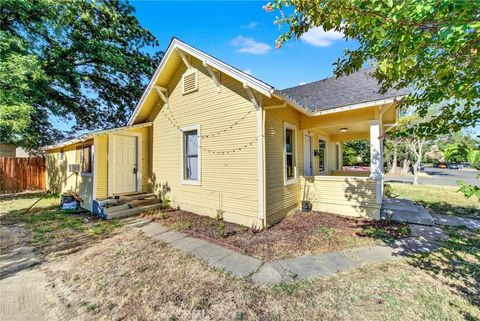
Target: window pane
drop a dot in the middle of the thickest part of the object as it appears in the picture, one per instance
(289, 162)
(192, 167)
(191, 139)
(321, 155)
(289, 141)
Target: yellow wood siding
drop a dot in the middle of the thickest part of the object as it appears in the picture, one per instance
(229, 181)
(57, 172)
(348, 196)
(281, 198)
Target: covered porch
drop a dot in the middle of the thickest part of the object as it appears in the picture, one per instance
(329, 186)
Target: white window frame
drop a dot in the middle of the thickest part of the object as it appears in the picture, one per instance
(187, 73)
(183, 180)
(325, 160)
(295, 148)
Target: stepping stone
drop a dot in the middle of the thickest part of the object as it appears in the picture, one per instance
(238, 264)
(451, 220)
(428, 233)
(139, 224)
(210, 252)
(271, 273)
(304, 267)
(337, 262)
(168, 236)
(412, 245)
(372, 254)
(188, 244)
(153, 229)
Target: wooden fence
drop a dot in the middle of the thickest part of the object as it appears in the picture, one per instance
(18, 174)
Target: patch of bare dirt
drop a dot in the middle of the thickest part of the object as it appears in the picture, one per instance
(298, 234)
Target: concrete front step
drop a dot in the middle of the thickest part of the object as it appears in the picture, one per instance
(132, 211)
(400, 210)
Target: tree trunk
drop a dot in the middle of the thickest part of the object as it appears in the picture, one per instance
(415, 172)
(406, 166)
(393, 169)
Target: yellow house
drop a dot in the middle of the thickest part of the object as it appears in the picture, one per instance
(211, 137)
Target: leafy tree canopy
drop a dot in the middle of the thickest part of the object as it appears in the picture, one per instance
(430, 46)
(77, 59)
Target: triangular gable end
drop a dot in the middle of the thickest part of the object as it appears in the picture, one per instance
(177, 50)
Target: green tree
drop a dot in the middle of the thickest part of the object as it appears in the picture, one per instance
(429, 46)
(77, 59)
(355, 152)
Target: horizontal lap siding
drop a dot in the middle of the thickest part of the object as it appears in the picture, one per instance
(351, 196)
(280, 197)
(57, 172)
(229, 181)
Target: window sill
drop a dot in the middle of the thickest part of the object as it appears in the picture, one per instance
(190, 182)
(290, 181)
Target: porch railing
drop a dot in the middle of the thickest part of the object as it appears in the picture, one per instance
(343, 195)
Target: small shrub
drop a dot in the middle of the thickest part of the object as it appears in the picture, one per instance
(388, 190)
(222, 229)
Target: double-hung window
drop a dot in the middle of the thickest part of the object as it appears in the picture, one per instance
(191, 155)
(321, 155)
(290, 150)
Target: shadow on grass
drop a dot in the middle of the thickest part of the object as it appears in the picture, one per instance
(448, 209)
(56, 230)
(456, 263)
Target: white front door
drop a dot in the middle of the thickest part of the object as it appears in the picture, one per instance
(307, 154)
(124, 158)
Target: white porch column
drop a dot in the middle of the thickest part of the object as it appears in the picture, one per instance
(376, 157)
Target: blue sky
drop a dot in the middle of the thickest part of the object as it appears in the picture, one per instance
(243, 35)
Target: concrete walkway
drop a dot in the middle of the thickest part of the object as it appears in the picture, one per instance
(424, 239)
(470, 223)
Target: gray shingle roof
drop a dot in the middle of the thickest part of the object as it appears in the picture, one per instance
(329, 93)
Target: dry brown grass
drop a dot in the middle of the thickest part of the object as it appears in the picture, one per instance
(131, 277)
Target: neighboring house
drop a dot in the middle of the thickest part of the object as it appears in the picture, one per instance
(214, 137)
(8, 150)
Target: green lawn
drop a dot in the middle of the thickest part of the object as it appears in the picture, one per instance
(438, 199)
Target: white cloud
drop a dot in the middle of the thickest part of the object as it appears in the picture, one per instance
(319, 38)
(249, 45)
(302, 83)
(250, 25)
(248, 71)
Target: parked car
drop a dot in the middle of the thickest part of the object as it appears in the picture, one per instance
(441, 165)
(421, 167)
(452, 166)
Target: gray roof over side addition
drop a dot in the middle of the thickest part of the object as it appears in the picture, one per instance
(330, 93)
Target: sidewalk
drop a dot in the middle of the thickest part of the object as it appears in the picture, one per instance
(423, 239)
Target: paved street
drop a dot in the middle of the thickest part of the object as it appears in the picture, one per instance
(437, 176)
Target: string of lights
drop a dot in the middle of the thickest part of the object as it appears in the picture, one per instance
(175, 124)
(217, 133)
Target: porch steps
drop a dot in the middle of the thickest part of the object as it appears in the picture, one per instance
(132, 211)
(125, 205)
(401, 210)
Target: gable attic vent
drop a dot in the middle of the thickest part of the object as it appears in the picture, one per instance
(190, 81)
